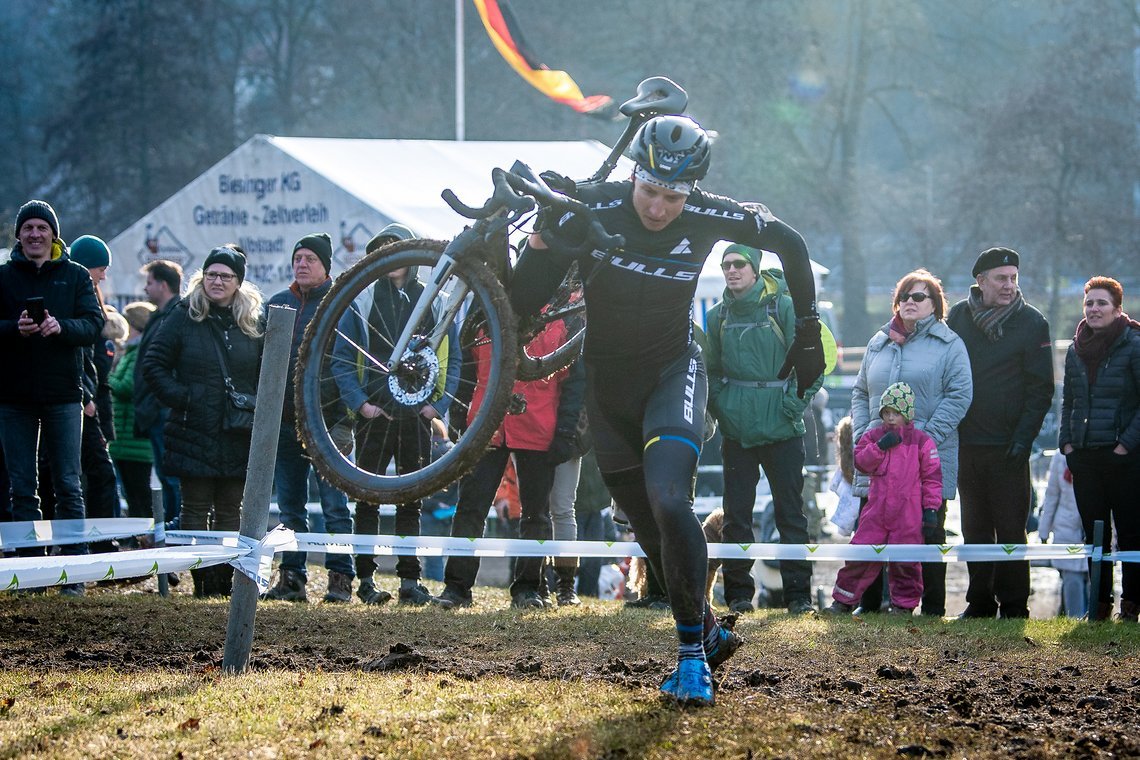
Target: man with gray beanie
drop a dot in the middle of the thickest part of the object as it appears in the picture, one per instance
(1011, 359)
(48, 314)
(312, 260)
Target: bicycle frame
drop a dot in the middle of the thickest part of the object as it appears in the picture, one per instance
(654, 96)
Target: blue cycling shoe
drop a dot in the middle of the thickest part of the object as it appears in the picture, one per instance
(726, 645)
(690, 685)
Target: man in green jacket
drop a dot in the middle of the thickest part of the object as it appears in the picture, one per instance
(760, 417)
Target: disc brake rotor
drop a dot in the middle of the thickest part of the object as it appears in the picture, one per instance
(413, 380)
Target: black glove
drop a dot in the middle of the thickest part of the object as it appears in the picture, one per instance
(889, 440)
(805, 355)
(929, 524)
(560, 183)
(1017, 454)
(563, 448)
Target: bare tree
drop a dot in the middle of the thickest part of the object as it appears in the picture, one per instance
(1056, 162)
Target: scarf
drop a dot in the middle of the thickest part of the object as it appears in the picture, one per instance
(1092, 345)
(990, 319)
(896, 330)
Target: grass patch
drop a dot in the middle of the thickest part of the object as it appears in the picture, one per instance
(133, 675)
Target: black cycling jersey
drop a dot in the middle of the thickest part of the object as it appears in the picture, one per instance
(639, 298)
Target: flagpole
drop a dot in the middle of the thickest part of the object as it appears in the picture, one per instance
(460, 124)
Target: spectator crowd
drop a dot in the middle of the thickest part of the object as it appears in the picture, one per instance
(98, 403)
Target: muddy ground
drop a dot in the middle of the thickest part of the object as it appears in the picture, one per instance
(988, 685)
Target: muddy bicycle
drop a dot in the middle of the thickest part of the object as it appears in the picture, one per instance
(407, 345)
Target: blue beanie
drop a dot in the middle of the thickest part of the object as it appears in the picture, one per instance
(91, 252)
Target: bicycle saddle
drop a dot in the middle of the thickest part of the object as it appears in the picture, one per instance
(656, 94)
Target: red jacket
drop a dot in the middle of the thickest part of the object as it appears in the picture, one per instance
(533, 430)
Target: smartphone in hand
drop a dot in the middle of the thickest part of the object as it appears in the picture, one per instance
(35, 308)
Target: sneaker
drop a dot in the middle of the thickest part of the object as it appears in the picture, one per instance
(527, 600)
(651, 602)
(690, 685)
(1008, 613)
(900, 611)
(839, 608)
(741, 605)
(290, 587)
(370, 594)
(567, 596)
(800, 607)
(971, 612)
(728, 641)
(340, 588)
(416, 596)
(451, 599)
(73, 590)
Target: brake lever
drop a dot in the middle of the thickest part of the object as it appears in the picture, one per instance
(597, 239)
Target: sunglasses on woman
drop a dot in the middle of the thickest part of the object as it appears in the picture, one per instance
(733, 264)
(916, 297)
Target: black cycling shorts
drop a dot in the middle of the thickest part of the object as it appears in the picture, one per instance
(628, 414)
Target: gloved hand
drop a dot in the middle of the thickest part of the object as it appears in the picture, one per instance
(560, 183)
(929, 524)
(889, 440)
(805, 355)
(1017, 454)
(563, 448)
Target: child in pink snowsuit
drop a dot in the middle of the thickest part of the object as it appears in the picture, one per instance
(904, 498)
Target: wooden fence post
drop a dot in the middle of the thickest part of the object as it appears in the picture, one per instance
(259, 480)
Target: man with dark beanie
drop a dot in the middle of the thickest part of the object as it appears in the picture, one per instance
(48, 314)
(1011, 359)
(100, 487)
(163, 288)
(312, 260)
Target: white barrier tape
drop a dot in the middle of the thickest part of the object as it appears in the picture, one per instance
(257, 563)
(29, 533)
(34, 572)
(427, 546)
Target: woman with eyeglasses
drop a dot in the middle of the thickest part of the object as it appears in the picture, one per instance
(917, 348)
(215, 332)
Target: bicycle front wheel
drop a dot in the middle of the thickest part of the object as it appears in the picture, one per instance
(361, 415)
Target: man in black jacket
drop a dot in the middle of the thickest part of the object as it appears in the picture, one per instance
(312, 261)
(1012, 363)
(163, 285)
(48, 314)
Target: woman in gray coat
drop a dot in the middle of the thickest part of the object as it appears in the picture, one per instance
(916, 347)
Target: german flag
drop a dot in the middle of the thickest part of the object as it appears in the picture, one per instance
(504, 31)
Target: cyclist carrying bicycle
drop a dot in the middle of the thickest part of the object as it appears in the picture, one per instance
(646, 384)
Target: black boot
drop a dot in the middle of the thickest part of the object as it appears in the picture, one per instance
(199, 577)
(222, 580)
(566, 568)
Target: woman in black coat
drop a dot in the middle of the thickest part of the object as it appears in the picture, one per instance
(183, 369)
(1100, 433)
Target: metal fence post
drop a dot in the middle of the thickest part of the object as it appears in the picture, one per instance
(259, 480)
